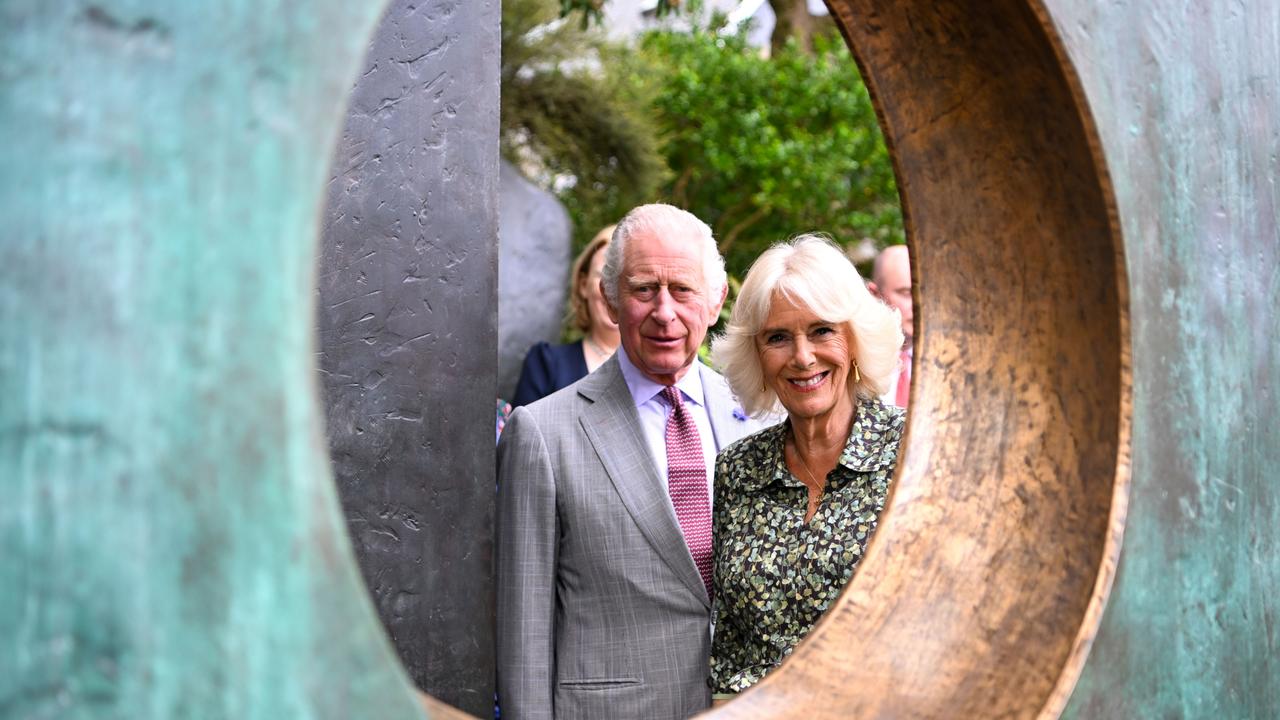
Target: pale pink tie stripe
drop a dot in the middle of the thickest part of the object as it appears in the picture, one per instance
(687, 483)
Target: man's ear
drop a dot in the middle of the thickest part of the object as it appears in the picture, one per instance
(874, 290)
(715, 311)
(608, 304)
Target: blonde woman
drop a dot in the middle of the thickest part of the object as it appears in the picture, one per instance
(547, 367)
(796, 503)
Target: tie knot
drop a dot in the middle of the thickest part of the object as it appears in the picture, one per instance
(672, 395)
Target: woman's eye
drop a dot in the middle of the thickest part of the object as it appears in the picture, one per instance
(823, 330)
(775, 338)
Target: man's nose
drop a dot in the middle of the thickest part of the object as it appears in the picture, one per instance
(664, 306)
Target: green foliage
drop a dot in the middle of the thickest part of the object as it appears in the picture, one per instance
(566, 120)
(761, 148)
(593, 10)
(765, 148)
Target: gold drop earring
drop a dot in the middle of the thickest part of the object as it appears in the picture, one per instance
(857, 375)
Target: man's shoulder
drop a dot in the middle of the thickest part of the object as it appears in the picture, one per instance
(762, 438)
(716, 389)
(709, 374)
(722, 403)
(567, 418)
(571, 400)
(542, 427)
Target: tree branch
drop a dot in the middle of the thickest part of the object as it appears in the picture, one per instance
(729, 237)
(792, 19)
(681, 186)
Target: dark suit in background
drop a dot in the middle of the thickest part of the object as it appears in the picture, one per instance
(548, 368)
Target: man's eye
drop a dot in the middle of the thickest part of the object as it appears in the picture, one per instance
(644, 292)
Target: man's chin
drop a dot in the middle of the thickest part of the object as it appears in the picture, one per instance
(677, 368)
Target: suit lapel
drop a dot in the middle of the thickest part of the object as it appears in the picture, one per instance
(612, 426)
(725, 426)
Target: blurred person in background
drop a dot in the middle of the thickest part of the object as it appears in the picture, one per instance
(547, 367)
(891, 282)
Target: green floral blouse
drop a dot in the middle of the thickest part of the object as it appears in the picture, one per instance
(775, 574)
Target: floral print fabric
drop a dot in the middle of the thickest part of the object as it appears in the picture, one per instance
(775, 574)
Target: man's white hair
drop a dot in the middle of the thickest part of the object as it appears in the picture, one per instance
(668, 222)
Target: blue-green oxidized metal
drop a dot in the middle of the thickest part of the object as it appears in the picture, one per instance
(171, 541)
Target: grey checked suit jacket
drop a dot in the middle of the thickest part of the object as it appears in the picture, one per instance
(601, 612)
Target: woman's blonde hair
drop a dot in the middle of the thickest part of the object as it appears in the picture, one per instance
(812, 272)
(579, 310)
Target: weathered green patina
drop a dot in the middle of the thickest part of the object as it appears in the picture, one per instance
(1186, 97)
(171, 540)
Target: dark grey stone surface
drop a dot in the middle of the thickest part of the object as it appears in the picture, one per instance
(534, 272)
(407, 335)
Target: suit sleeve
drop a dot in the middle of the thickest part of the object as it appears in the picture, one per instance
(526, 572)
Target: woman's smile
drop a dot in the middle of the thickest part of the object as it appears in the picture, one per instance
(809, 383)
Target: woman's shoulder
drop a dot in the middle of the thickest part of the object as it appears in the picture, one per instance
(548, 368)
(888, 417)
(750, 461)
(546, 350)
(556, 357)
(877, 431)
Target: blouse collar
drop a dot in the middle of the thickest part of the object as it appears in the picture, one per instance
(868, 448)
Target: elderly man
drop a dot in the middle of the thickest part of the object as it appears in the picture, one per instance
(891, 282)
(604, 498)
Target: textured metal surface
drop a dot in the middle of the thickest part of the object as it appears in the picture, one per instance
(1176, 107)
(407, 325)
(170, 541)
(982, 582)
(1187, 101)
(172, 546)
(533, 272)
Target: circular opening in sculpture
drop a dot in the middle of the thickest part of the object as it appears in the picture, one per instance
(983, 586)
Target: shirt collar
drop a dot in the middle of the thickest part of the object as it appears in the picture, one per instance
(868, 448)
(643, 389)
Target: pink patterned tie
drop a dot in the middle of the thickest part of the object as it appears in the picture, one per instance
(687, 483)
